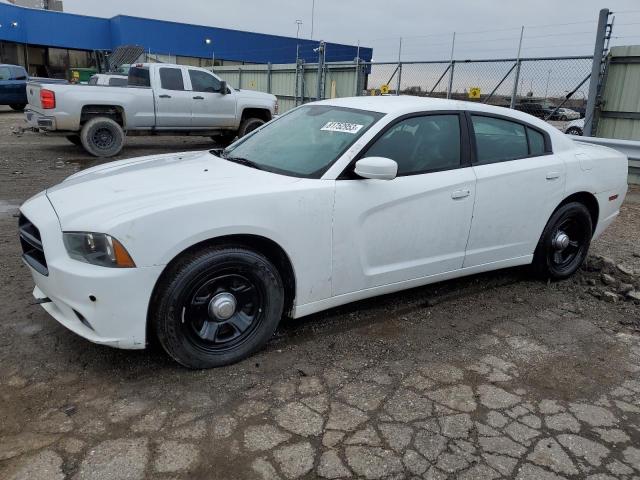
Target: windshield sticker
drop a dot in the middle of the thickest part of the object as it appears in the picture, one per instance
(343, 127)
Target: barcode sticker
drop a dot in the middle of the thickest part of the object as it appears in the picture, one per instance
(343, 127)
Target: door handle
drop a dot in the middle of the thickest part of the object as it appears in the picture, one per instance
(553, 175)
(198, 98)
(165, 96)
(460, 194)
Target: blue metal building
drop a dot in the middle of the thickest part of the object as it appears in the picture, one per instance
(39, 39)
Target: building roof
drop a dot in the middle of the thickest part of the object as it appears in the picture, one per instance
(58, 29)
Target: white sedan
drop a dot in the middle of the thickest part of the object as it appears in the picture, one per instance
(333, 202)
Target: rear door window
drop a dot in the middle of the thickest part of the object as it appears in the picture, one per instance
(139, 77)
(498, 140)
(171, 79)
(5, 73)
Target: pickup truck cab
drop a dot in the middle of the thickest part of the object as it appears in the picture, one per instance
(160, 99)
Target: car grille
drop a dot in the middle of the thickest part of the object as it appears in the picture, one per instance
(32, 250)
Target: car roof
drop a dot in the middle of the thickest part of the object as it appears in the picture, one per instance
(398, 105)
(10, 65)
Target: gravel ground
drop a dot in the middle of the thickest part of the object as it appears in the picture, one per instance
(491, 376)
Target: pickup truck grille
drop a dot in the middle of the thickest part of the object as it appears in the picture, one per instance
(32, 251)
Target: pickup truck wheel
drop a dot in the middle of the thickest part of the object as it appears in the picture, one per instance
(217, 306)
(564, 243)
(248, 125)
(102, 137)
(75, 139)
(18, 107)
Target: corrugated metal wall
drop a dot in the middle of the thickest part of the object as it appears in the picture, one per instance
(619, 115)
(281, 79)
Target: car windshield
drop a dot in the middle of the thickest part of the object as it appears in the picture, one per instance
(304, 142)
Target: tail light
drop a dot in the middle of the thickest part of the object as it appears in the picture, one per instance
(47, 99)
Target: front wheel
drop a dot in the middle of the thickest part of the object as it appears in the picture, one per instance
(102, 137)
(564, 243)
(18, 107)
(574, 131)
(249, 125)
(217, 306)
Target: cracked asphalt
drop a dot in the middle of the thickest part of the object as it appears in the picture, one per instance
(492, 376)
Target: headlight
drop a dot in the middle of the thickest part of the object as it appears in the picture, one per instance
(97, 249)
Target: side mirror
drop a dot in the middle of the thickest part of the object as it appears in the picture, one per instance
(223, 87)
(379, 168)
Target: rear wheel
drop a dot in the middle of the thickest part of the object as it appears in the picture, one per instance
(18, 107)
(102, 137)
(564, 243)
(564, 118)
(249, 125)
(75, 139)
(217, 306)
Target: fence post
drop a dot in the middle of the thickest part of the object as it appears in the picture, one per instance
(269, 77)
(596, 70)
(357, 86)
(320, 85)
(516, 80)
(514, 93)
(239, 77)
(399, 79)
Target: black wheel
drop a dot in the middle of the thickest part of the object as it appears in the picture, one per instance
(217, 306)
(102, 137)
(574, 131)
(249, 125)
(75, 139)
(564, 118)
(18, 107)
(564, 243)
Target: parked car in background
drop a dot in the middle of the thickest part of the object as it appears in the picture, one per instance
(540, 110)
(575, 127)
(332, 202)
(160, 99)
(110, 79)
(565, 114)
(13, 83)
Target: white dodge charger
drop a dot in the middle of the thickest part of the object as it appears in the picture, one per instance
(333, 202)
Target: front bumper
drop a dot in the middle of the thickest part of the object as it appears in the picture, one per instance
(104, 305)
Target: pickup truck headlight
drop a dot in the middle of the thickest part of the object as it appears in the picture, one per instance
(97, 249)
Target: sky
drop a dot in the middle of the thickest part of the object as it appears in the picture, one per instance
(484, 28)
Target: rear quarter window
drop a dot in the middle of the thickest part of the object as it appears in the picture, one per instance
(5, 73)
(139, 77)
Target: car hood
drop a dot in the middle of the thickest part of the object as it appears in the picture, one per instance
(110, 194)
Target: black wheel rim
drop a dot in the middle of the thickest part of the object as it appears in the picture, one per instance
(211, 333)
(103, 138)
(564, 252)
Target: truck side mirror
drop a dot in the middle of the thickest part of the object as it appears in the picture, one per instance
(223, 87)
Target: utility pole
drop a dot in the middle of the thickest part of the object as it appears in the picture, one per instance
(596, 70)
(514, 93)
(313, 13)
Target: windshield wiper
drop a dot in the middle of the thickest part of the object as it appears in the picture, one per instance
(243, 161)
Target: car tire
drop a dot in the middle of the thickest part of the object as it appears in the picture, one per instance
(18, 107)
(75, 139)
(102, 137)
(563, 118)
(248, 125)
(191, 309)
(557, 257)
(574, 131)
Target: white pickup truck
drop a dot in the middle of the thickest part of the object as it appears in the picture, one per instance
(160, 99)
